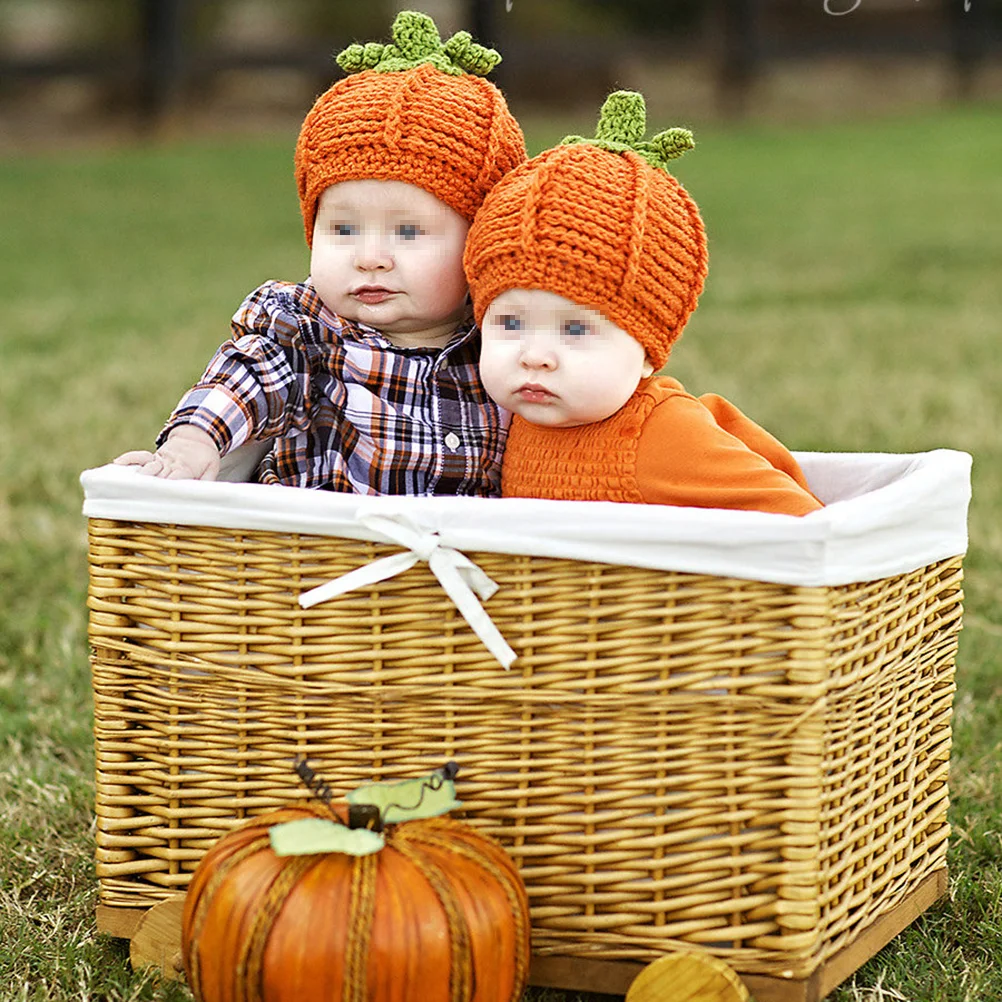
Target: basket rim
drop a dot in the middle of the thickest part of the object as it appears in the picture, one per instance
(885, 514)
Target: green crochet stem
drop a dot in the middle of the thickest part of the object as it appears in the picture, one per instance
(621, 126)
(415, 41)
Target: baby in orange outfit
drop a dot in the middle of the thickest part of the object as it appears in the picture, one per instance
(584, 265)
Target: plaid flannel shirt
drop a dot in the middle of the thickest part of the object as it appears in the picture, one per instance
(348, 410)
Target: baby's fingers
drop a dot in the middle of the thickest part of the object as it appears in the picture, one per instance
(148, 464)
(138, 457)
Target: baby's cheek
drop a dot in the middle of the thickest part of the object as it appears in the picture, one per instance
(493, 366)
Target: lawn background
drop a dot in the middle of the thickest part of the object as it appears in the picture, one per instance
(854, 304)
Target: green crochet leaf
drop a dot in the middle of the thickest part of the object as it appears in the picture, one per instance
(309, 836)
(415, 41)
(361, 57)
(471, 56)
(426, 797)
(621, 126)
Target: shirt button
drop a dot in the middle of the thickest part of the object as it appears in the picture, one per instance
(452, 440)
(443, 362)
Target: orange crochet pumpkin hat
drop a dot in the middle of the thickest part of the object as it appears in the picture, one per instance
(599, 221)
(419, 111)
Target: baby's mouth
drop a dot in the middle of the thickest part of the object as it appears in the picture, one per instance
(371, 294)
(534, 393)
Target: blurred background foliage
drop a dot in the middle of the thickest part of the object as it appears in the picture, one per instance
(88, 66)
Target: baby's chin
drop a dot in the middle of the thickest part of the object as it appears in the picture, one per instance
(558, 415)
(544, 417)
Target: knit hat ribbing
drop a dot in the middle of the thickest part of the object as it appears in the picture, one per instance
(601, 222)
(417, 111)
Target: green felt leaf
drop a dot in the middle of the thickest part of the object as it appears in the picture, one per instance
(314, 835)
(409, 799)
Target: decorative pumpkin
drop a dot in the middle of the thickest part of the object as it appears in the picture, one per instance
(430, 911)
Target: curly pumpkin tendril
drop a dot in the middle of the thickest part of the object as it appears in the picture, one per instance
(621, 126)
(415, 41)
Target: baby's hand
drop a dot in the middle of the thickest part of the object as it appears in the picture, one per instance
(188, 454)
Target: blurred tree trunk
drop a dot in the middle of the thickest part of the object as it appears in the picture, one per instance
(482, 16)
(482, 20)
(162, 67)
(739, 56)
(968, 28)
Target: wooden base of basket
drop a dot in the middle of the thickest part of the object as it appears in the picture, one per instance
(155, 936)
(614, 977)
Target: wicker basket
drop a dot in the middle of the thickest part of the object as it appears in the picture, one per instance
(675, 759)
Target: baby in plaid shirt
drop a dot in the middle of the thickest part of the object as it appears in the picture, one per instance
(365, 375)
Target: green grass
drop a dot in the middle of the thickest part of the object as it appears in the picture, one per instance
(853, 304)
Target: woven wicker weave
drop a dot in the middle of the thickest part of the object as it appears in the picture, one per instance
(674, 759)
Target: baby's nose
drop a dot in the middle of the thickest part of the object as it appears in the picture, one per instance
(372, 254)
(537, 353)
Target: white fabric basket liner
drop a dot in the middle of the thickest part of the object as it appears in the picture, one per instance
(885, 514)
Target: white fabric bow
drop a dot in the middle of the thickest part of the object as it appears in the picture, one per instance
(456, 573)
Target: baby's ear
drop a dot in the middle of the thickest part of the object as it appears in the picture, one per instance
(648, 369)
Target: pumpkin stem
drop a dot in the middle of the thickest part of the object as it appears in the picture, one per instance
(621, 127)
(416, 41)
(365, 816)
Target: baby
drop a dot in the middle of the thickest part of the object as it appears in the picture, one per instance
(365, 375)
(585, 264)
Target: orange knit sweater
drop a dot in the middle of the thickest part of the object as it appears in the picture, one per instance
(664, 446)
